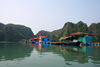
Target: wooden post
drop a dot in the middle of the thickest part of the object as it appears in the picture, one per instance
(81, 37)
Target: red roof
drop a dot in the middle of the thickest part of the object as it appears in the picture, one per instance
(79, 33)
(30, 39)
(23, 40)
(43, 36)
(35, 38)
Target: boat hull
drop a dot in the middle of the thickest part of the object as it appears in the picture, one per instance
(71, 43)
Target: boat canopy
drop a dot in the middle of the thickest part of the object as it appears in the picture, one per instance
(65, 37)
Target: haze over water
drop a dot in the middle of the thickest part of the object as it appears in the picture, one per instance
(30, 55)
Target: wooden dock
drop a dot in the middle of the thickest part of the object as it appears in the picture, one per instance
(81, 44)
(70, 43)
(55, 42)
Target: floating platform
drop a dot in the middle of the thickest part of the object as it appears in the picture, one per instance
(90, 44)
(76, 43)
(67, 43)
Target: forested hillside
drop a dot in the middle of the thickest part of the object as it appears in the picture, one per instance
(94, 29)
(11, 32)
(70, 27)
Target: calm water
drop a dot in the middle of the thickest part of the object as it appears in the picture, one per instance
(30, 55)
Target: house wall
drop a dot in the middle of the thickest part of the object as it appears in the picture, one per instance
(36, 40)
(42, 40)
(46, 39)
(39, 39)
(79, 38)
(83, 39)
(88, 38)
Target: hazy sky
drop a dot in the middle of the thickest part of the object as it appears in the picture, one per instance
(49, 15)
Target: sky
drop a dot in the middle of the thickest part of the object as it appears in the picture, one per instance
(49, 15)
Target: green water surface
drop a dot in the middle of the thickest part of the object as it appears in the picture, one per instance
(30, 55)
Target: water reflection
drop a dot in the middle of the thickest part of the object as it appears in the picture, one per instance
(70, 53)
(78, 54)
(53, 54)
(96, 54)
(11, 51)
(41, 46)
(44, 46)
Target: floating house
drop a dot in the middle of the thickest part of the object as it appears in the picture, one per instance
(30, 40)
(44, 39)
(83, 37)
(23, 40)
(36, 39)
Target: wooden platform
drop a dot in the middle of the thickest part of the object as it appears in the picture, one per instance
(66, 43)
(55, 42)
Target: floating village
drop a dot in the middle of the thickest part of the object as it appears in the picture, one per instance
(76, 39)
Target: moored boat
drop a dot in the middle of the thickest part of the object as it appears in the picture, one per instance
(71, 43)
